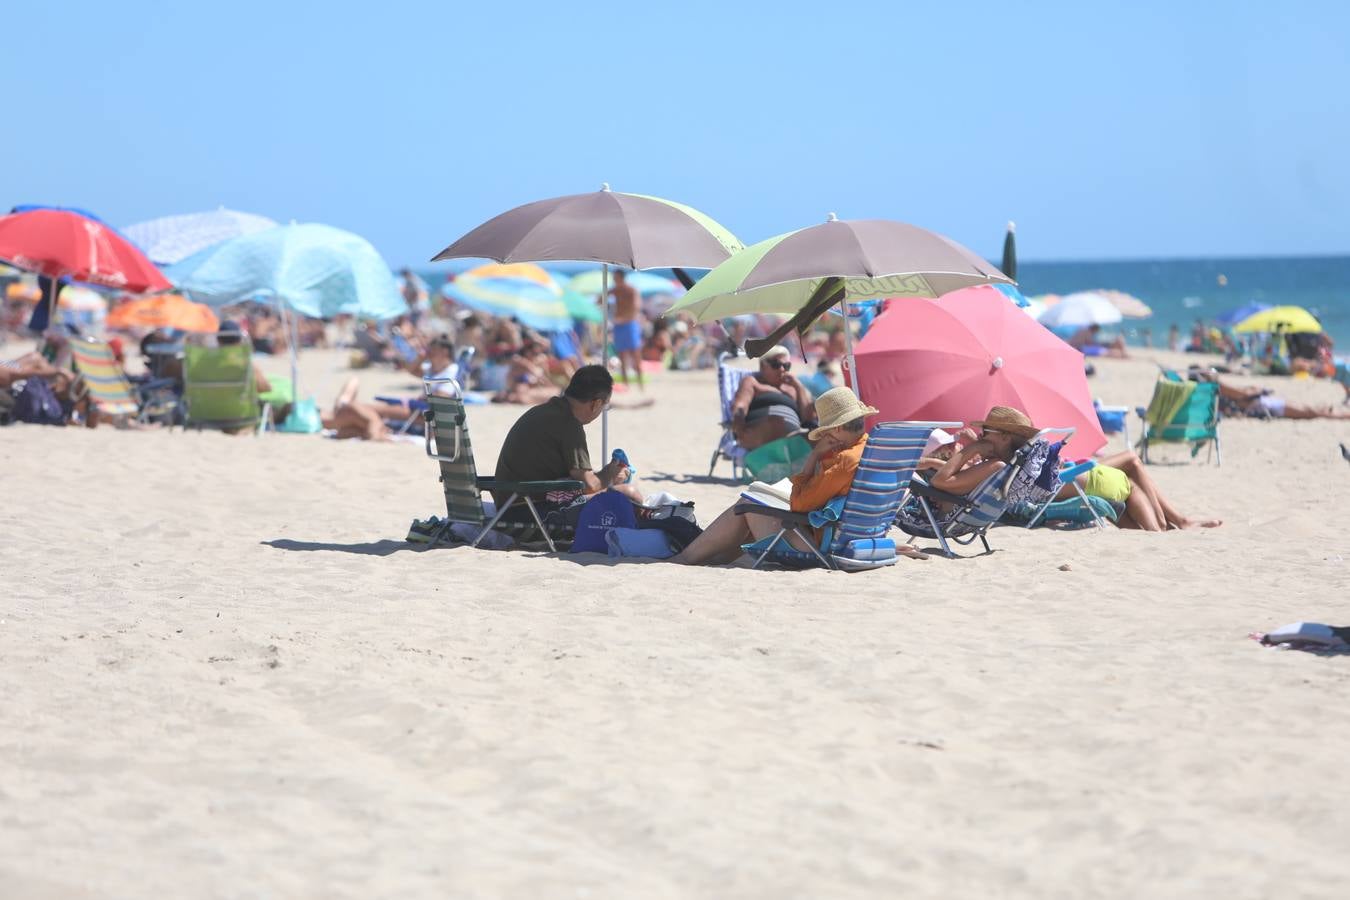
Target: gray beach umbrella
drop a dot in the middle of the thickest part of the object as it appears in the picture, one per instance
(616, 229)
(1009, 266)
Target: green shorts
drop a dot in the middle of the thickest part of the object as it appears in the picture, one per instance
(1109, 483)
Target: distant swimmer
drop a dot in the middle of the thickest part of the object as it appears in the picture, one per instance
(1222, 279)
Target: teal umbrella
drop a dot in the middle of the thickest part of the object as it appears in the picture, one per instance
(312, 270)
(645, 282)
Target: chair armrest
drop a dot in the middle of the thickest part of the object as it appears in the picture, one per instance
(1069, 473)
(785, 516)
(528, 488)
(927, 491)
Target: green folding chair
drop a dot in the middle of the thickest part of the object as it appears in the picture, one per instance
(447, 442)
(1182, 412)
(219, 390)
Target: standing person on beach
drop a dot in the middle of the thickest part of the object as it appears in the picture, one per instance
(415, 295)
(627, 326)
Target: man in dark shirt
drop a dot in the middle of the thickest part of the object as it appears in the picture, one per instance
(549, 441)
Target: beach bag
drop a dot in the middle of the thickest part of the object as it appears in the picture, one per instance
(599, 515)
(303, 418)
(37, 404)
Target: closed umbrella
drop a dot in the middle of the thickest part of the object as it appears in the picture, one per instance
(172, 239)
(1080, 311)
(803, 273)
(164, 311)
(1009, 266)
(1286, 319)
(612, 228)
(954, 358)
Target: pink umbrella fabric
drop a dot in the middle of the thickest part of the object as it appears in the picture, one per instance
(955, 357)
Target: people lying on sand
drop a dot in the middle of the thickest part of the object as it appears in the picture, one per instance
(1088, 342)
(1123, 478)
(770, 404)
(548, 443)
(826, 473)
(1262, 403)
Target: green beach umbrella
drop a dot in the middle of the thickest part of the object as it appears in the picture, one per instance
(582, 307)
(803, 273)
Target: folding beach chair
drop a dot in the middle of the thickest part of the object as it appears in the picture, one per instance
(103, 382)
(728, 383)
(447, 442)
(972, 515)
(1182, 412)
(219, 390)
(854, 537)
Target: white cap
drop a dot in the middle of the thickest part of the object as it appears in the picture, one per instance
(938, 438)
(776, 352)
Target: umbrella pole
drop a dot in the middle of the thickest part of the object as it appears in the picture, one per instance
(604, 357)
(848, 348)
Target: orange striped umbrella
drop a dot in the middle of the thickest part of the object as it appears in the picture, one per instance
(164, 311)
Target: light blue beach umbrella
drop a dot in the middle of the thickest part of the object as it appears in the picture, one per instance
(313, 270)
(646, 283)
(172, 239)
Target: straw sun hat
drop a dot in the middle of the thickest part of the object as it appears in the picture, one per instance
(838, 406)
(1009, 421)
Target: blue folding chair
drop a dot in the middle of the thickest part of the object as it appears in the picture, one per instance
(854, 535)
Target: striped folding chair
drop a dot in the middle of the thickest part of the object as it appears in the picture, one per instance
(728, 383)
(447, 442)
(107, 389)
(856, 538)
(971, 516)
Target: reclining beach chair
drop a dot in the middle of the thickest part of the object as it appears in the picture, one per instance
(971, 515)
(728, 383)
(105, 384)
(1182, 412)
(219, 390)
(854, 539)
(447, 442)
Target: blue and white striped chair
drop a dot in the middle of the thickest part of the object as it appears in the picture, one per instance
(970, 516)
(728, 383)
(854, 537)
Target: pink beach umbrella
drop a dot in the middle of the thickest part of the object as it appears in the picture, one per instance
(953, 358)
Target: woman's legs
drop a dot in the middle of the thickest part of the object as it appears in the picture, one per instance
(1139, 513)
(720, 542)
(1129, 463)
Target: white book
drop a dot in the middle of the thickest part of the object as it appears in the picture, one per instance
(777, 495)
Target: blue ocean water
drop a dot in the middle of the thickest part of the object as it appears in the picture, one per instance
(1183, 290)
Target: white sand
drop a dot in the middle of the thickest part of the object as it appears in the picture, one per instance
(222, 674)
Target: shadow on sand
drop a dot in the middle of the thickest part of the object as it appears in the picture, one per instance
(368, 548)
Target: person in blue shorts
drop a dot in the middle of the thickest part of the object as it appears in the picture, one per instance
(627, 326)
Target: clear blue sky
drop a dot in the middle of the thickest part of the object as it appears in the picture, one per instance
(1105, 129)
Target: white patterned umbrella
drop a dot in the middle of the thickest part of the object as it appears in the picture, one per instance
(171, 239)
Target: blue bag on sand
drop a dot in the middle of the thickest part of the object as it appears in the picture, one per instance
(303, 418)
(645, 543)
(600, 514)
(37, 404)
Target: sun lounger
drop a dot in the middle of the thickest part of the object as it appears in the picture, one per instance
(854, 537)
(447, 442)
(1182, 412)
(103, 382)
(219, 390)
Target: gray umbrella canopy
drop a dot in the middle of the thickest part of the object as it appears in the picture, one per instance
(630, 230)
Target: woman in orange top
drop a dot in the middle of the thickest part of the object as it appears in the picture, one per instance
(826, 473)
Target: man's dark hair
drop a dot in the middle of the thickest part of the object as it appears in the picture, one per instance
(444, 343)
(590, 383)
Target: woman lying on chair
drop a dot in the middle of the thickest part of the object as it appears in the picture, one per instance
(826, 473)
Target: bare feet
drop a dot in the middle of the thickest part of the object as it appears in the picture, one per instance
(910, 551)
(1199, 523)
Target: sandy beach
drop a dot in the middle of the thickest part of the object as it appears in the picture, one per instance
(224, 674)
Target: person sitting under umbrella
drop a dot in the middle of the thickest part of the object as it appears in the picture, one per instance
(770, 404)
(826, 473)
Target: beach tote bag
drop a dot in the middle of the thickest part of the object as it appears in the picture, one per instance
(37, 404)
(599, 515)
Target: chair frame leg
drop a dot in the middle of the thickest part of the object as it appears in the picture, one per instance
(494, 520)
(932, 520)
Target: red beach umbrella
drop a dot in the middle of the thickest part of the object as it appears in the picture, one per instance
(63, 244)
(955, 357)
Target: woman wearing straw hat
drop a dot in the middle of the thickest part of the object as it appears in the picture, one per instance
(825, 474)
(1002, 432)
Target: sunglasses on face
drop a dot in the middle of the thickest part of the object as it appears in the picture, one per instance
(781, 365)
